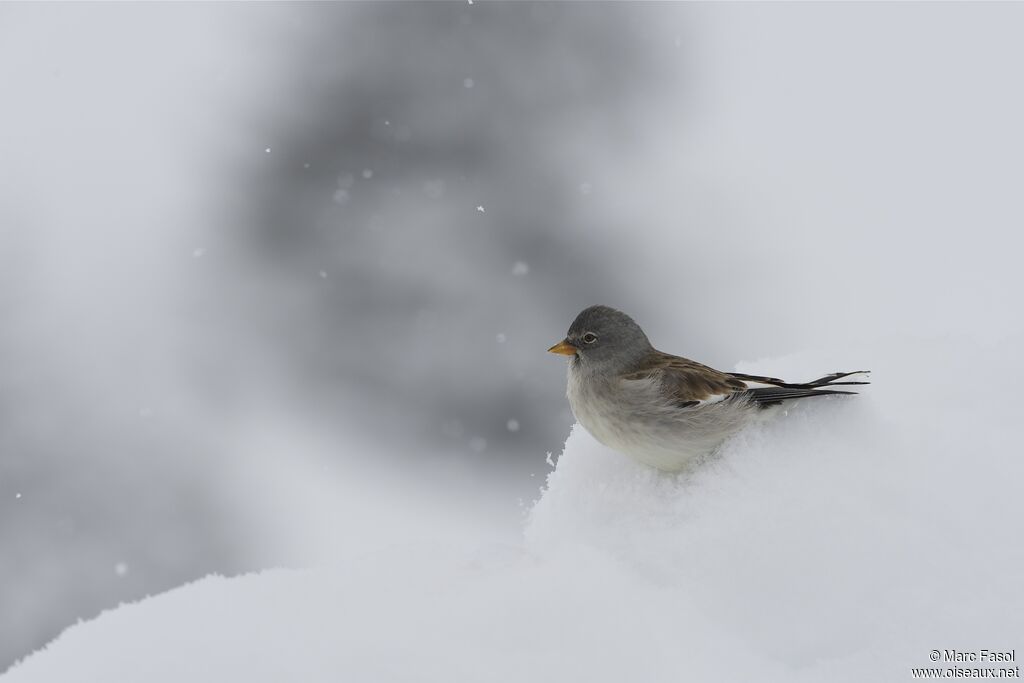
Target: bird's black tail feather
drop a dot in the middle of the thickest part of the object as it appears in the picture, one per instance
(778, 391)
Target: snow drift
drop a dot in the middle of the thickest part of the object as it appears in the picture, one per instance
(843, 541)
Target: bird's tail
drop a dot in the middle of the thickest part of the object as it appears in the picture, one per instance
(767, 391)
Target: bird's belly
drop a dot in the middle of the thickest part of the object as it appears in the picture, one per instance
(666, 438)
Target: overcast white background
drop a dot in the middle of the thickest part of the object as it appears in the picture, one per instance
(253, 315)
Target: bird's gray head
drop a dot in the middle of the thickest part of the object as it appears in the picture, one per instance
(605, 340)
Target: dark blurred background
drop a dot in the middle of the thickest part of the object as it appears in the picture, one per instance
(276, 280)
(364, 218)
(419, 209)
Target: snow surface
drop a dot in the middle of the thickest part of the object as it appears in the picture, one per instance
(842, 541)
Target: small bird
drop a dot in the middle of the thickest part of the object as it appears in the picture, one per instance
(664, 410)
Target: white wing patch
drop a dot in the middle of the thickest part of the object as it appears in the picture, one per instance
(759, 385)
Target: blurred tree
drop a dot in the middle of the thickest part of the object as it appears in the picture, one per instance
(421, 200)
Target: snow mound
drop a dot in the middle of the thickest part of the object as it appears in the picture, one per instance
(843, 540)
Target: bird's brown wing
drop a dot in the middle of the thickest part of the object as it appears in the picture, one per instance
(685, 382)
(690, 384)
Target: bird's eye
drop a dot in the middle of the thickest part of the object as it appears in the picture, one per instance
(589, 338)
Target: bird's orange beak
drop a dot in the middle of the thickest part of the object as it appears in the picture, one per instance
(563, 347)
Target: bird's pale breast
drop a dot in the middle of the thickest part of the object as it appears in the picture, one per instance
(636, 418)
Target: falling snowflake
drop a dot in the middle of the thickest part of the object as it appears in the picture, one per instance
(478, 444)
(520, 268)
(367, 173)
(198, 251)
(512, 425)
(17, 495)
(468, 83)
(500, 337)
(267, 150)
(120, 568)
(481, 209)
(323, 274)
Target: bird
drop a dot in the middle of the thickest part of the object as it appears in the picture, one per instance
(665, 411)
